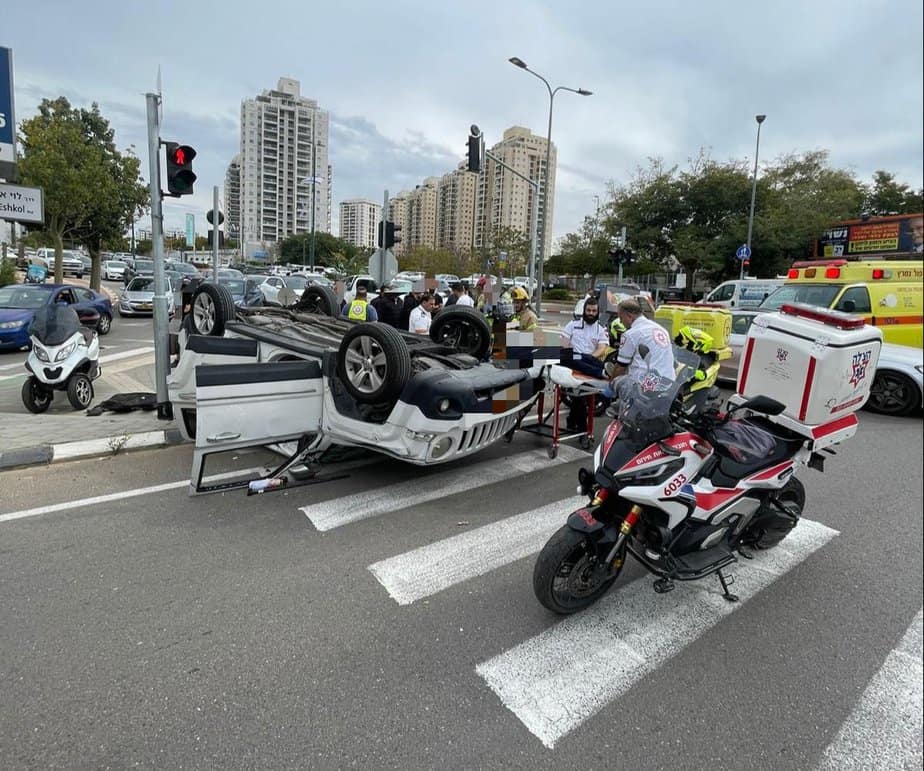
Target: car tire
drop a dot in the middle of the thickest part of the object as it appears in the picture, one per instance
(104, 324)
(320, 300)
(464, 329)
(36, 396)
(893, 393)
(212, 308)
(79, 391)
(373, 363)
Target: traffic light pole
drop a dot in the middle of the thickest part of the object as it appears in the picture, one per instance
(161, 321)
(533, 227)
(215, 238)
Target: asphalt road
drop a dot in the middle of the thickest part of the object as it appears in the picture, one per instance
(387, 620)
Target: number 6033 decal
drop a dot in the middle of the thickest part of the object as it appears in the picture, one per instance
(675, 484)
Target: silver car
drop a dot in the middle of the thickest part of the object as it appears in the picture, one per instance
(137, 298)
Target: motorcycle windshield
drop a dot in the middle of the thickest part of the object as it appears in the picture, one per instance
(645, 405)
(54, 324)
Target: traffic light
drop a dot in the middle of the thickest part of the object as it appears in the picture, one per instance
(387, 234)
(475, 149)
(180, 176)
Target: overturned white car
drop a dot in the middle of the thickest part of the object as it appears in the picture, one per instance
(269, 376)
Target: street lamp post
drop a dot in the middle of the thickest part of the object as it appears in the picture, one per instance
(760, 119)
(548, 160)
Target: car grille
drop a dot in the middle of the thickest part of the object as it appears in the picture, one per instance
(485, 433)
(52, 373)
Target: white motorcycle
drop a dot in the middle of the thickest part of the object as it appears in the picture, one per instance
(64, 357)
(683, 491)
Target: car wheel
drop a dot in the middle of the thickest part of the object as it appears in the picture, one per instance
(105, 324)
(212, 308)
(36, 396)
(79, 391)
(320, 300)
(893, 393)
(373, 363)
(464, 329)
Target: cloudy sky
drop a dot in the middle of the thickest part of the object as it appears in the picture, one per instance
(404, 80)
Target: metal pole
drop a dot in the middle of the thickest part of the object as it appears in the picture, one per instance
(760, 119)
(545, 201)
(214, 233)
(161, 321)
(314, 182)
(133, 234)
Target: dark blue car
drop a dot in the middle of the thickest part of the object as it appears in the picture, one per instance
(18, 303)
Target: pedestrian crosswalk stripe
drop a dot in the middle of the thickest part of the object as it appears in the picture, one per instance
(884, 731)
(331, 514)
(555, 681)
(425, 571)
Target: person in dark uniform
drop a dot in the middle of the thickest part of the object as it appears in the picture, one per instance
(389, 306)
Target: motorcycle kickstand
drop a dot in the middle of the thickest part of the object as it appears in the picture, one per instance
(726, 582)
(663, 586)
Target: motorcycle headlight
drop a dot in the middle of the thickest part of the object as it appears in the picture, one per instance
(40, 353)
(12, 324)
(66, 351)
(652, 476)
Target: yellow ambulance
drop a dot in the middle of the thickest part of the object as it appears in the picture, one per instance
(888, 293)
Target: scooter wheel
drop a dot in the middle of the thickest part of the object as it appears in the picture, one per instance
(79, 391)
(36, 396)
(553, 452)
(584, 441)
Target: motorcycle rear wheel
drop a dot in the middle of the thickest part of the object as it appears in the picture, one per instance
(566, 578)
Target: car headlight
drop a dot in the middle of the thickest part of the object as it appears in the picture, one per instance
(12, 324)
(40, 353)
(66, 351)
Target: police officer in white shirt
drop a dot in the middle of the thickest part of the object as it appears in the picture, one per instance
(421, 318)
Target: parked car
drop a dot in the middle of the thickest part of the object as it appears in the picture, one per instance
(142, 267)
(71, 262)
(741, 323)
(363, 279)
(245, 292)
(187, 270)
(113, 270)
(18, 303)
(137, 298)
(272, 285)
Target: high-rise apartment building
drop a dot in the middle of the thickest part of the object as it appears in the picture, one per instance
(506, 200)
(461, 209)
(233, 198)
(285, 176)
(359, 222)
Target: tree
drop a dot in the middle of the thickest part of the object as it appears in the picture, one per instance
(886, 196)
(91, 189)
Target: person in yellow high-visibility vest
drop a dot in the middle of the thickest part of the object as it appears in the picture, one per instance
(359, 309)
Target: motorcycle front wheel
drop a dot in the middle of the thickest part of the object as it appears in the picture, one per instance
(566, 577)
(36, 396)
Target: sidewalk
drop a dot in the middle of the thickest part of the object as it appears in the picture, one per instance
(62, 433)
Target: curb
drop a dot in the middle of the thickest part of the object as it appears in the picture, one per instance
(88, 448)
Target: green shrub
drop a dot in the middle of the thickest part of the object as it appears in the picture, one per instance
(7, 272)
(557, 294)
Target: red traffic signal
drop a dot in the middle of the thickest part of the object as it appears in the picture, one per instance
(180, 176)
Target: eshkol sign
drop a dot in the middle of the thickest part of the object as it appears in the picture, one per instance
(7, 116)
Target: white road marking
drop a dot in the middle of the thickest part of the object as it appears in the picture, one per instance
(884, 731)
(338, 512)
(117, 496)
(430, 569)
(555, 681)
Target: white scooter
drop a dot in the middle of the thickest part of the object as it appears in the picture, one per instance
(64, 357)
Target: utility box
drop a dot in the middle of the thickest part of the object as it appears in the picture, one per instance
(819, 363)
